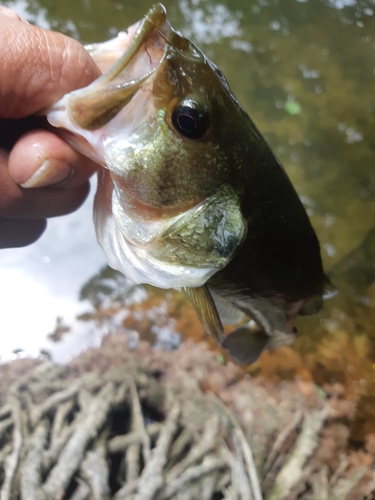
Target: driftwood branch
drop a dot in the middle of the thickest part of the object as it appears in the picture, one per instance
(123, 441)
(124, 434)
(12, 460)
(204, 446)
(32, 467)
(291, 474)
(245, 449)
(209, 464)
(53, 401)
(152, 479)
(95, 472)
(72, 454)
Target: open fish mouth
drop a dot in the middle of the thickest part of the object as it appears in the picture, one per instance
(129, 61)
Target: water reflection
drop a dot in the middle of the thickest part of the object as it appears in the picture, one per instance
(209, 23)
(42, 281)
(305, 72)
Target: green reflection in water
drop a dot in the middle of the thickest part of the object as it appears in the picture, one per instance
(305, 72)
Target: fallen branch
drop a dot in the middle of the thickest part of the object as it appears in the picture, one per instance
(121, 442)
(12, 460)
(95, 472)
(32, 466)
(246, 450)
(306, 444)
(53, 401)
(152, 479)
(210, 463)
(206, 443)
(346, 486)
(5, 425)
(73, 453)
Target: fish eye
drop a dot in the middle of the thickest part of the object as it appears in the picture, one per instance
(190, 119)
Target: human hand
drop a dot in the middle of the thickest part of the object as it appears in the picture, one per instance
(41, 176)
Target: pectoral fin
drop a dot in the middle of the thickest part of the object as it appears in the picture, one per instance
(245, 345)
(205, 308)
(229, 314)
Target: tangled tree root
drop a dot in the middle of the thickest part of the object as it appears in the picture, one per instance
(140, 427)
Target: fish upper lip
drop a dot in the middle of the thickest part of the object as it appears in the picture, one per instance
(155, 21)
(94, 106)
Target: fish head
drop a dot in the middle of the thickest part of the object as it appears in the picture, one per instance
(167, 210)
(169, 153)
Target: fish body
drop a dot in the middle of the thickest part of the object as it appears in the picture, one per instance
(191, 194)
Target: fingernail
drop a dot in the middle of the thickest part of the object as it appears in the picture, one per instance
(51, 173)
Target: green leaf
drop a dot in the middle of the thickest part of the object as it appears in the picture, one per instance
(292, 107)
(320, 392)
(220, 359)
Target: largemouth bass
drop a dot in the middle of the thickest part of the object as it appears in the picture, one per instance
(191, 194)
